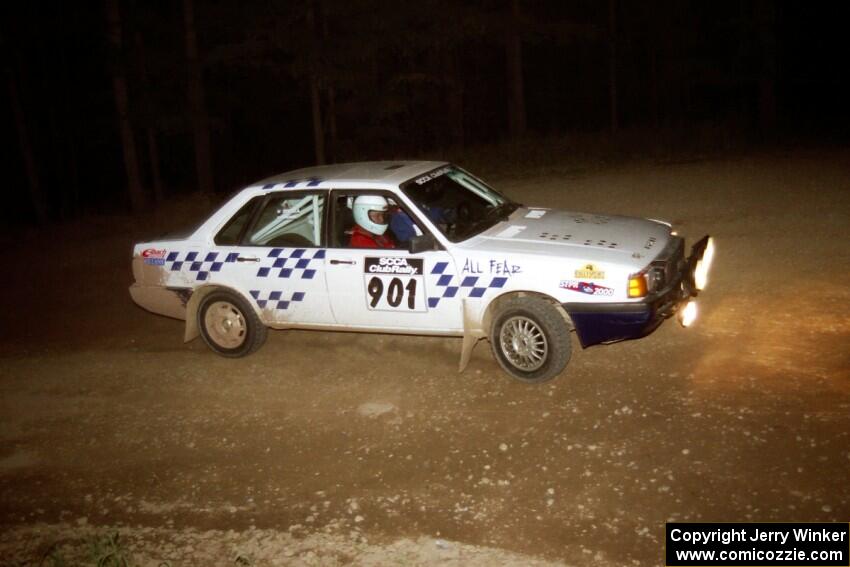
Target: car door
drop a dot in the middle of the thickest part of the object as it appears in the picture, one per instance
(388, 289)
(278, 257)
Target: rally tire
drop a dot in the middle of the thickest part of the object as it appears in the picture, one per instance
(229, 325)
(530, 339)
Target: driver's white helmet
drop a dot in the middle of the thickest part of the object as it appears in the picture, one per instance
(370, 212)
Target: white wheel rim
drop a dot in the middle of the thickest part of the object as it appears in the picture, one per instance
(523, 343)
(225, 325)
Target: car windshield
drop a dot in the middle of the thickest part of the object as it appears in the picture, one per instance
(460, 204)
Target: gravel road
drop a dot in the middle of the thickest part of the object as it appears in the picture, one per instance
(333, 448)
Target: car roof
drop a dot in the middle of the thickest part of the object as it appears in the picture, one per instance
(391, 172)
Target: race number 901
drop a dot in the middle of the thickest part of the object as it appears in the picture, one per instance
(395, 292)
(394, 283)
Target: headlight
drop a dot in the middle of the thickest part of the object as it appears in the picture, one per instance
(688, 314)
(704, 265)
(637, 285)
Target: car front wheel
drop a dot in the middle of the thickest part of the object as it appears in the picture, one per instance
(229, 326)
(530, 339)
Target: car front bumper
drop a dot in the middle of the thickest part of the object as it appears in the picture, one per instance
(597, 323)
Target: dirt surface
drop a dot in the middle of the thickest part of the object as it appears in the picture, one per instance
(333, 448)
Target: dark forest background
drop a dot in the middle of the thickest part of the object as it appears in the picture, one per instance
(124, 104)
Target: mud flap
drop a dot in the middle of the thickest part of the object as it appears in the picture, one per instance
(472, 332)
(192, 331)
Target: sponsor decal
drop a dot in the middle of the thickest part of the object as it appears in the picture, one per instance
(154, 261)
(590, 288)
(432, 175)
(394, 265)
(153, 253)
(590, 272)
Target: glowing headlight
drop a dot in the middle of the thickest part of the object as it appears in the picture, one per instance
(688, 314)
(700, 275)
(704, 265)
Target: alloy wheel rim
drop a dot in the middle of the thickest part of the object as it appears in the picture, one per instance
(523, 343)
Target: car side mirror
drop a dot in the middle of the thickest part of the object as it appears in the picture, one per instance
(422, 243)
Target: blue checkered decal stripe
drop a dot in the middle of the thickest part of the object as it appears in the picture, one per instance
(275, 299)
(467, 286)
(290, 263)
(309, 182)
(199, 262)
(280, 262)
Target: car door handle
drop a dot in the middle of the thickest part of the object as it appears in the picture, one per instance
(247, 259)
(349, 262)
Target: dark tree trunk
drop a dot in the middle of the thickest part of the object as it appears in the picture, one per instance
(37, 198)
(156, 176)
(330, 116)
(150, 129)
(73, 172)
(653, 87)
(454, 86)
(65, 130)
(315, 90)
(57, 150)
(766, 21)
(318, 133)
(613, 118)
(119, 87)
(333, 134)
(197, 106)
(516, 92)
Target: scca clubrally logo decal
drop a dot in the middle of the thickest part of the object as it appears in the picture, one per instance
(394, 265)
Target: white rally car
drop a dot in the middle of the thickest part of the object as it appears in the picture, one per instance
(470, 263)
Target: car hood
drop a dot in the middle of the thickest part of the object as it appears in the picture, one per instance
(572, 234)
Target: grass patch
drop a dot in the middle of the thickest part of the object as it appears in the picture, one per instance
(109, 551)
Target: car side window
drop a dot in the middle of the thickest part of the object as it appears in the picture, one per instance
(400, 225)
(231, 234)
(289, 219)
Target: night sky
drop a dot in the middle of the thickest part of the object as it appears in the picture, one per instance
(382, 80)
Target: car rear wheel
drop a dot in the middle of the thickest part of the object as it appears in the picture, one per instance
(530, 339)
(229, 326)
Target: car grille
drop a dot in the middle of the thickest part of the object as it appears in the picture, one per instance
(667, 266)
